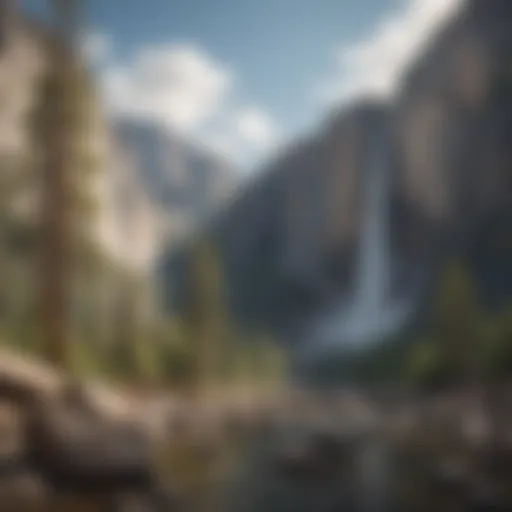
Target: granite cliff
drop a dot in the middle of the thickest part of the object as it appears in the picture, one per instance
(290, 240)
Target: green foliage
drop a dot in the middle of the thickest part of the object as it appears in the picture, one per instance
(428, 367)
(206, 323)
(464, 342)
(271, 361)
(177, 366)
(60, 128)
(451, 350)
(457, 321)
(85, 360)
(255, 361)
(206, 302)
(148, 361)
(496, 351)
(457, 314)
(176, 357)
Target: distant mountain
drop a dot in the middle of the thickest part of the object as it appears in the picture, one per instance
(183, 179)
(157, 188)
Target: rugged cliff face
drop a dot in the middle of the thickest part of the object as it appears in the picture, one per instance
(289, 242)
(453, 148)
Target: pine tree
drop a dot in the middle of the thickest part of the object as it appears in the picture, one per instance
(206, 317)
(56, 121)
(457, 321)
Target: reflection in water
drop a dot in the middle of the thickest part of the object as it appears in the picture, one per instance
(374, 472)
(273, 480)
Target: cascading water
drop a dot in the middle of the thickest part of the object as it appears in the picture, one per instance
(371, 314)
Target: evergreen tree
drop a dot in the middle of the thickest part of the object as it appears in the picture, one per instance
(457, 321)
(59, 122)
(206, 318)
(496, 352)
(452, 350)
(428, 367)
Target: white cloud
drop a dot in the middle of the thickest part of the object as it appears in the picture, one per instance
(182, 87)
(96, 47)
(375, 65)
(246, 134)
(178, 85)
(255, 126)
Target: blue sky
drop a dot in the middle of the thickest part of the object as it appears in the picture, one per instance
(246, 75)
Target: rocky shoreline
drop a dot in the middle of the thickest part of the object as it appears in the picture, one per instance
(355, 449)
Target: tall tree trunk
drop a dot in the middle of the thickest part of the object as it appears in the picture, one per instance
(56, 193)
(55, 256)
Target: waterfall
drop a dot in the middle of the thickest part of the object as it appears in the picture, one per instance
(373, 282)
(372, 313)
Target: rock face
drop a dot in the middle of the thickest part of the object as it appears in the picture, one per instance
(453, 147)
(289, 240)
